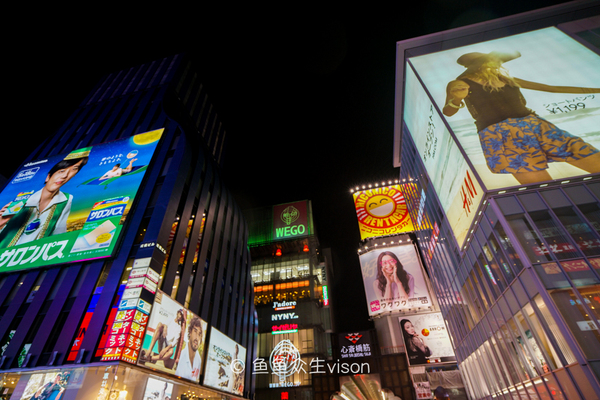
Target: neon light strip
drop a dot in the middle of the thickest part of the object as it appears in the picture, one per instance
(280, 332)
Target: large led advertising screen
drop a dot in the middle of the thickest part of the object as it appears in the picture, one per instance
(394, 280)
(426, 339)
(455, 184)
(72, 207)
(525, 108)
(174, 340)
(382, 211)
(225, 364)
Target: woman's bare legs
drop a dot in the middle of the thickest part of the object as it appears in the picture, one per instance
(526, 178)
(589, 164)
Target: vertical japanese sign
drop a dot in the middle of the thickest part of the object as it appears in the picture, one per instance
(124, 340)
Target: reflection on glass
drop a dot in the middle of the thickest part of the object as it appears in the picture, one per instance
(554, 234)
(583, 326)
(581, 233)
(529, 239)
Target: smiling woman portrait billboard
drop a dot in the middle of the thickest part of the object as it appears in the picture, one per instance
(524, 108)
(71, 207)
(394, 280)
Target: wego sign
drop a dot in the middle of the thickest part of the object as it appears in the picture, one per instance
(290, 220)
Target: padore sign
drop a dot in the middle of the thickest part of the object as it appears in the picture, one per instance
(382, 211)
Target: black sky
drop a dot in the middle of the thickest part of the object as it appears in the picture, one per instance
(306, 95)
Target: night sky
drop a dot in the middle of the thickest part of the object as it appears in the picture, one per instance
(306, 95)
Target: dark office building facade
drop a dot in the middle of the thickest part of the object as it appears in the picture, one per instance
(290, 273)
(513, 257)
(157, 290)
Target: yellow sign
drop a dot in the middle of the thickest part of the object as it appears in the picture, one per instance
(382, 211)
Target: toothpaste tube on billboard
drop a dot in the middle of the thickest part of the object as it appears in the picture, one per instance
(101, 224)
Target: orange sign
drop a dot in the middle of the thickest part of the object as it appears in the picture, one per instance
(382, 211)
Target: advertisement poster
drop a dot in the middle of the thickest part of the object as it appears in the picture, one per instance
(158, 390)
(174, 340)
(225, 364)
(382, 211)
(525, 108)
(72, 207)
(46, 386)
(394, 280)
(455, 184)
(426, 338)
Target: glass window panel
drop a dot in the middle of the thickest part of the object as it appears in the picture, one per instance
(479, 297)
(509, 205)
(552, 276)
(592, 213)
(564, 348)
(568, 387)
(506, 358)
(554, 234)
(582, 381)
(523, 346)
(532, 202)
(515, 352)
(582, 234)
(529, 239)
(581, 324)
(556, 198)
(484, 277)
(507, 246)
(550, 361)
(504, 269)
(595, 188)
(579, 195)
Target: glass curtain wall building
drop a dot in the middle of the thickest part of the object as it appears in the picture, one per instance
(515, 262)
(68, 327)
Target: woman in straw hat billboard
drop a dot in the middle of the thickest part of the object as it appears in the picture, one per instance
(513, 138)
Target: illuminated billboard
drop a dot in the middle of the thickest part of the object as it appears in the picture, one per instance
(72, 207)
(225, 364)
(426, 339)
(523, 108)
(174, 340)
(394, 280)
(158, 390)
(51, 385)
(354, 345)
(382, 211)
(455, 184)
(290, 221)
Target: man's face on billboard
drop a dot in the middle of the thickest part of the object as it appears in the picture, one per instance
(62, 176)
(195, 336)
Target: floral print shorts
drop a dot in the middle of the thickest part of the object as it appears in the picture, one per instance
(528, 144)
